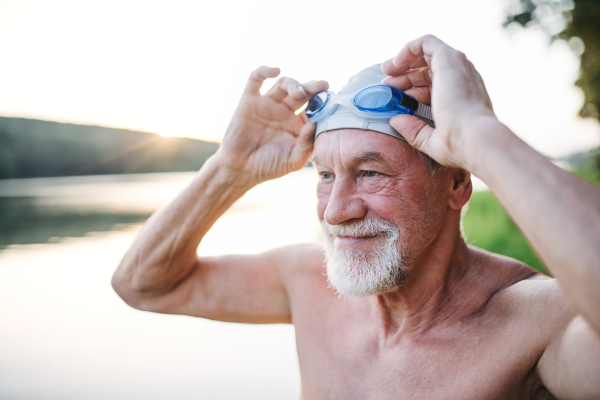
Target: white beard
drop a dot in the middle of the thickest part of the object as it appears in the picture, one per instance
(358, 273)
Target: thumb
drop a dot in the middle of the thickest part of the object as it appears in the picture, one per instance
(415, 131)
(305, 142)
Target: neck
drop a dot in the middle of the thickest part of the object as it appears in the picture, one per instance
(434, 291)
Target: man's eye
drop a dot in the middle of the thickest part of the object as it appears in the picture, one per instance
(325, 175)
(371, 174)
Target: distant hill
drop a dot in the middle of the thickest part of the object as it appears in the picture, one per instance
(34, 148)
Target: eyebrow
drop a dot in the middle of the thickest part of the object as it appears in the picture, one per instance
(373, 156)
(366, 156)
(314, 159)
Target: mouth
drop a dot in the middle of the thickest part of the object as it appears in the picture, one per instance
(354, 242)
(361, 237)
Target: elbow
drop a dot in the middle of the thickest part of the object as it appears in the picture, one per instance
(137, 286)
(118, 285)
(122, 284)
(130, 296)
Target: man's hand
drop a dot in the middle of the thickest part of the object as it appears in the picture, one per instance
(266, 139)
(431, 71)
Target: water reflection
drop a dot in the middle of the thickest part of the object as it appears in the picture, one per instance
(45, 210)
(64, 334)
(24, 221)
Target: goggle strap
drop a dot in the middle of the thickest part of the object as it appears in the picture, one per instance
(424, 111)
(409, 102)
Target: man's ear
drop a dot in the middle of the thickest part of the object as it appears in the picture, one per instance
(460, 188)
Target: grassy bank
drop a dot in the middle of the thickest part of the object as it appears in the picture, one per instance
(488, 226)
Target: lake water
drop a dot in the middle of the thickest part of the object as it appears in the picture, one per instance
(65, 334)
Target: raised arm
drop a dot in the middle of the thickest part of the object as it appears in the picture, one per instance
(557, 212)
(161, 271)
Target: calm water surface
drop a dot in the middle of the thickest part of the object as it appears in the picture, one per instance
(64, 333)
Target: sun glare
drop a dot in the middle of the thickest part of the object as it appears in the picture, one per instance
(158, 70)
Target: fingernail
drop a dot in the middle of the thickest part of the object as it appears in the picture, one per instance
(302, 91)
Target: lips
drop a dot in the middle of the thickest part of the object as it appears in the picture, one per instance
(352, 241)
(359, 237)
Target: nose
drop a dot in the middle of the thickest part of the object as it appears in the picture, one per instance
(345, 203)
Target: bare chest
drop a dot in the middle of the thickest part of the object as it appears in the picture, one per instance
(353, 362)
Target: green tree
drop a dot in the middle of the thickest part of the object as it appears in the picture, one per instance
(578, 23)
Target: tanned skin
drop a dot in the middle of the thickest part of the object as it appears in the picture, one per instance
(467, 324)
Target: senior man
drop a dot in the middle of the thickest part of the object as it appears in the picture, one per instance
(424, 315)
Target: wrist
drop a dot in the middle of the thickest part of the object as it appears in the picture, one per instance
(482, 135)
(219, 166)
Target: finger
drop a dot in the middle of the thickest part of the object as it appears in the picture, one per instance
(304, 144)
(285, 87)
(422, 94)
(258, 77)
(409, 79)
(415, 131)
(311, 88)
(419, 63)
(303, 117)
(425, 46)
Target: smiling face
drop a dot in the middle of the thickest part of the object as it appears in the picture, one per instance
(369, 181)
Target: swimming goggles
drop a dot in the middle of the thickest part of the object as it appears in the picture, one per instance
(377, 102)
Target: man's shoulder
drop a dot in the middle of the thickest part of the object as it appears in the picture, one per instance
(526, 285)
(539, 292)
(532, 299)
(524, 292)
(299, 258)
(302, 270)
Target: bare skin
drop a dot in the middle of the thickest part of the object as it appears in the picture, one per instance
(467, 324)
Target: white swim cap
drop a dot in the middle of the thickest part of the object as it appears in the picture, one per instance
(342, 118)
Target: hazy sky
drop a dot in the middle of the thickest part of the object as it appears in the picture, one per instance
(178, 67)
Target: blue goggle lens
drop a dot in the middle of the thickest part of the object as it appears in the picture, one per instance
(375, 102)
(373, 98)
(316, 103)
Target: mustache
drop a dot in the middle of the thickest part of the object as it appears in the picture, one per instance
(363, 228)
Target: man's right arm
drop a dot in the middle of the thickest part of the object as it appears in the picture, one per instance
(161, 271)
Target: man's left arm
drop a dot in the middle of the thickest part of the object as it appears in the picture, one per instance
(556, 211)
(570, 365)
(560, 216)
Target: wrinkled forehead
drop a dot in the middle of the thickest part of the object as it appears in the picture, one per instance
(340, 147)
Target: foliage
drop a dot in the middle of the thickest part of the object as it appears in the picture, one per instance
(585, 164)
(577, 22)
(34, 148)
